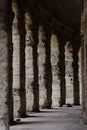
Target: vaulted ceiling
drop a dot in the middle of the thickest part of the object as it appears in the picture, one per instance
(66, 11)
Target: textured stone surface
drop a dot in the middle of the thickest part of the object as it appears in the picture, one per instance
(84, 67)
(19, 61)
(21, 28)
(16, 64)
(10, 60)
(69, 72)
(44, 68)
(80, 74)
(55, 71)
(76, 86)
(32, 90)
(62, 72)
(4, 120)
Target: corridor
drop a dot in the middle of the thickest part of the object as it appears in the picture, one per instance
(62, 118)
(43, 65)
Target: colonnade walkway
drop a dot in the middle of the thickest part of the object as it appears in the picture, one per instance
(62, 118)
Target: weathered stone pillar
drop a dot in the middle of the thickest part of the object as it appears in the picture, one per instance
(4, 89)
(69, 72)
(55, 70)
(62, 72)
(5, 34)
(10, 59)
(84, 61)
(32, 87)
(21, 28)
(16, 74)
(19, 61)
(75, 72)
(44, 63)
(80, 74)
(83, 75)
(10, 46)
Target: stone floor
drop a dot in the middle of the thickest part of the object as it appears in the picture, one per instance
(64, 118)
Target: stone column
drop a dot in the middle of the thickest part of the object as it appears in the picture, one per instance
(32, 87)
(21, 28)
(16, 60)
(44, 63)
(84, 68)
(83, 58)
(69, 72)
(83, 76)
(55, 70)
(19, 61)
(75, 72)
(4, 119)
(80, 74)
(5, 34)
(62, 72)
(10, 59)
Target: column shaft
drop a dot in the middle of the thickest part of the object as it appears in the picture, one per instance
(19, 61)
(75, 73)
(85, 63)
(4, 66)
(21, 28)
(32, 87)
(62, 73)
(80, 74)
(83, 27)
(45, 76)
(69, 72)
(55, 70)
(10, 59)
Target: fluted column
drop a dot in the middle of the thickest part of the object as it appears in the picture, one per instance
(62, 72)
(69, 72)
(32, 88)
(55, 70)
(75, 72)
(44, 63)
